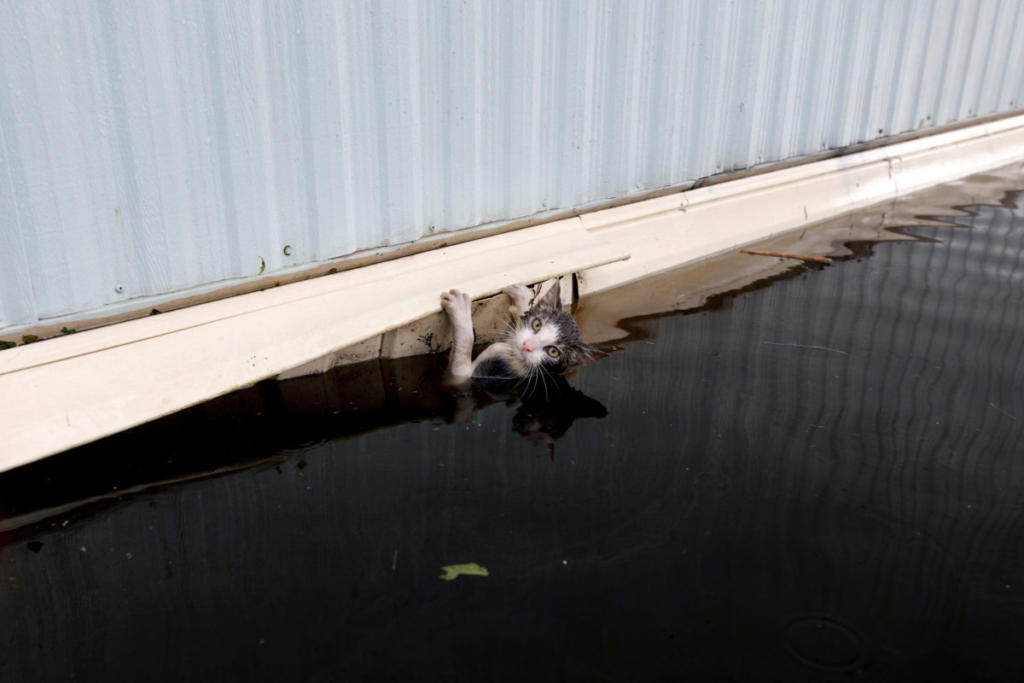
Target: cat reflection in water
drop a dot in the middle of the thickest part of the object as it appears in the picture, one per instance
(525, 367)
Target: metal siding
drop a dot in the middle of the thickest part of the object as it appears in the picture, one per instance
(163, 147)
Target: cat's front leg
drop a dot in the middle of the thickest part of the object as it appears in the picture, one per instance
(521, 297)
(458, 306)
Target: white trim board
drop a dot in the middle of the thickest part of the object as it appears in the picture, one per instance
(680, 228)
(64, 392)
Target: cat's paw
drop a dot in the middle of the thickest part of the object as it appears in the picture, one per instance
(518, 291)
(456, 304)
(521, 296)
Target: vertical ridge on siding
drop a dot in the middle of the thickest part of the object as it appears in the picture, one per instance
(152, 149)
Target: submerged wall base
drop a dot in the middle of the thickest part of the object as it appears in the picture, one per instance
(68, 391)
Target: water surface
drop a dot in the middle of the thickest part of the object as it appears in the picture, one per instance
(817, 478)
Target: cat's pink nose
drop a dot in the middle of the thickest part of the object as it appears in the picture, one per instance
(529, 345)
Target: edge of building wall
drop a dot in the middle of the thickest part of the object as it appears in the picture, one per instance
(140, 307)
(700, 223)
(65, 392)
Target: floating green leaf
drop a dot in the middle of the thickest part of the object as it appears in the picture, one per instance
(454, 571)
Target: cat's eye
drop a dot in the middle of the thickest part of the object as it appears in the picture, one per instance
(536, 324)
(553, 351)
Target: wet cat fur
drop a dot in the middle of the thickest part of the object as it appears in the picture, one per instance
(543, 339)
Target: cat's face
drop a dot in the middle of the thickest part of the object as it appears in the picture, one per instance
(547, 337)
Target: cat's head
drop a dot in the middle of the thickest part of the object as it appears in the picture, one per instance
(547, 337)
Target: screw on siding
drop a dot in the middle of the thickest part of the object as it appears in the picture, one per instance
(287, 250)
(119, 288)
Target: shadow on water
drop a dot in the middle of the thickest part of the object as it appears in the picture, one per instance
(269, 423)
(800, 473)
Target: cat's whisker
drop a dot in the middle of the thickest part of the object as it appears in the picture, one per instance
(537, 380)
(508, 324)
(544, 376)
(524, 388)
(531, 382)
(508, 330)
(555, 382)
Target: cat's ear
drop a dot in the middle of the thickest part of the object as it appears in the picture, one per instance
(552, 298)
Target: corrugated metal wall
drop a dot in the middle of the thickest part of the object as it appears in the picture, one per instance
(151, 148)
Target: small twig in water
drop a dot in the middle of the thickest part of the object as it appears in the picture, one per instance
(802, 257)
(807, 346)
(993, 405)
(394, 560)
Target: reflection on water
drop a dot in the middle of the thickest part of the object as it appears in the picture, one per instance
(272, 420)
(842, 501)
(608, 316)
(545, 408)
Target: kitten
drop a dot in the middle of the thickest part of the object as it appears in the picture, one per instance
(543, 339)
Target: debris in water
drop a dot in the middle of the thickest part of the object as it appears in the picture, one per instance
(993, 405)
(807, 346)
(780, 254)
(454, 571)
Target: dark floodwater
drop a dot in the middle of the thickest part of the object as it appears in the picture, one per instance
(749, 509)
